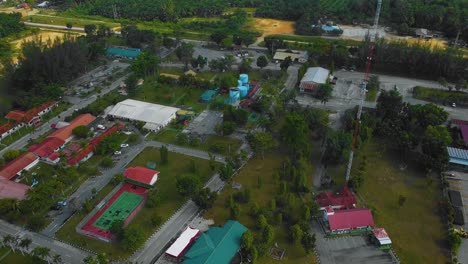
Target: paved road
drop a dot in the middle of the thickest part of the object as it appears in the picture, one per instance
(77, 103)
(69, 254)
(53, 26)
(291, 81)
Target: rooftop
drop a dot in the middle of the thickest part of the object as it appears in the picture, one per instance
(350, 219)
(317, 75)
(47, 146)
(464, 133)
(142, 175)
(182, 242)
(123, 51)
(12, 168)
(217, 246)
(458, 156)
(11, 189)
(66, 132)
(344, 199)
(143, 111)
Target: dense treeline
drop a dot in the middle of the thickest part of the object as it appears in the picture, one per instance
(10, 24)
(43, 67)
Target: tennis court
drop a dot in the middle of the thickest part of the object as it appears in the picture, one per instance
(119, 210)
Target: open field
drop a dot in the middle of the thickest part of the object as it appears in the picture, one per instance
(214, 143)
(62, 21)
(43, 35)
(416, 228)
(266, 169)
(169, 200)
(273, 26)
(7, 256)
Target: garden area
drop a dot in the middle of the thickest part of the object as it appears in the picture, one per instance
(162, 201)
(214, 143)
(407, 222)
(441, 96)
(260, 197)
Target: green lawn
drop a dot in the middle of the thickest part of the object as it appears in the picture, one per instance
(17, 135)
(440, 96)
(214, 143)
(170, 200)
(371, 95)
(171, 95)
(416, 229)
(266, 169)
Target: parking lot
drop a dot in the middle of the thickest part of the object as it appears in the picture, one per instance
(205, 123)
(348, 249)
(459, 182)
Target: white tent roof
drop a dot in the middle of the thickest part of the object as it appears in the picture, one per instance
(182, 242)
(385, 241)
(142, 111)
(316, 74)
(61, 124)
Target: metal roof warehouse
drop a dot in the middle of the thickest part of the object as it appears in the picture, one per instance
(155, 116)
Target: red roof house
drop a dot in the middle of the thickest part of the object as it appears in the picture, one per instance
(54, 157)
(344, 199)
(5, 128)
(48, 146)
(16, 166)
(348, 219)
(65, 133)
(11, 189)
(84, 153)
(141, 175)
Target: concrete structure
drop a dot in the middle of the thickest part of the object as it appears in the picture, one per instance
(183, 242)
(141, 176)
(18, 165)
(458, 157)
(423, 33)
(313, 78)
(345, 220)
(155, 116)
(123, 52)
(296, 55)
(217, 246)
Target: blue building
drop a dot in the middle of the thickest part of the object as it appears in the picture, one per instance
(123, 52)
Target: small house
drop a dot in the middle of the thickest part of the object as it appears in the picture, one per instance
(313, 78)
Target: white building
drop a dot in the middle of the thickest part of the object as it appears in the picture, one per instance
(155, 116)
(296, 55)
(313, 78)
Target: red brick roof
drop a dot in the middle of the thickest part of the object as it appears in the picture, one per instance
(11, 189)
(48, 146)
(16, 115)
(344, 199)
(10, 170)
(53, 156)
(5, 127)
(141, 174)
(66, 132)
(80, 155)
(350, 219)
(380, 233)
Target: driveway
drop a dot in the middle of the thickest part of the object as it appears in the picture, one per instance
(349, 249)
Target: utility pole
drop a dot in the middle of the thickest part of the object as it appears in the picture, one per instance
(363, 91)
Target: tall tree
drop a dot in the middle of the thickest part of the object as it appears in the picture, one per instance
(295, 132)
(261, 141)
(185, 52)
(146, 64)
(187, 185)
(262, 61)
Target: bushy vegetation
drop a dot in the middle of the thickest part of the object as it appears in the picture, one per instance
(10, 24)
(440, 96)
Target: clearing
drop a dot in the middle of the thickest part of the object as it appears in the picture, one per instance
(416, 228)
(270, 26)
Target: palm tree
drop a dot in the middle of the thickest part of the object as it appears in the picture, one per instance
(8, 240)
(57, 259)
(41, 253)
(24, 244)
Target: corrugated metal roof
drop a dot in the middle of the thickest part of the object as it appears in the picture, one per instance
(142, 111)
(458, 156)
(350, 219)
(123, 52)
(217, 246)
(316, 75)
(142, 174)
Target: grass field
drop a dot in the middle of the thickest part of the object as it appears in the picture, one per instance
(62, 20)
(7, 256)
(416, 229)
(440, 96)
(371, 95)
(266, 168)
(213, 143)
(119, 210)
(170, 200)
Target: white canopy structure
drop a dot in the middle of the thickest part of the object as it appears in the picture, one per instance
(155, 116)
(183, 242)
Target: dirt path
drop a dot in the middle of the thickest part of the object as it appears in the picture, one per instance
(271, 27)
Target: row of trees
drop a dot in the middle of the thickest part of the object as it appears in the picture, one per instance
(23, 245)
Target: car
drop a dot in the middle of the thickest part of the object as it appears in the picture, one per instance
(101, 127)
(123, 145)
(454, 105)
(118, 152)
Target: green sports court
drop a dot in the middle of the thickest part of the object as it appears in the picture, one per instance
(120, 209)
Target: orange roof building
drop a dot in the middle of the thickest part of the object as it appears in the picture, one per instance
(16, 166)
(65, 133)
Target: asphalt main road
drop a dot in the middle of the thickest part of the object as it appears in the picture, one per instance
(77, 103)
(69, 254)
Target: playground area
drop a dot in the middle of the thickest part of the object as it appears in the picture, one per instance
(123, 205)
(119, 210)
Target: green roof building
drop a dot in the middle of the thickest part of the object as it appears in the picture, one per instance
(123, 52)
(217, 246)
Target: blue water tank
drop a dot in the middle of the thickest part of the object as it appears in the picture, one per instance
(244, 78)
(234, 95)
(243, 91)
